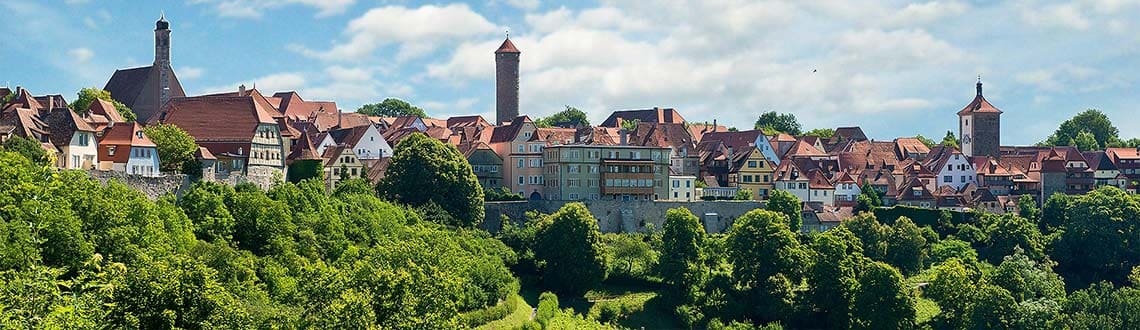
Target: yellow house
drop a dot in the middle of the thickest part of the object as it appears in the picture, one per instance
(341, 162)
(751, 170)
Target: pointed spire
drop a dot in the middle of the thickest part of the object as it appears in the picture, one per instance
(979, 84)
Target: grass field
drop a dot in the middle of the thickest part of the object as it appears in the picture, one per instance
(640, 299)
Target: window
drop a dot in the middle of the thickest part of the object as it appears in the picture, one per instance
(963, 179)
(688, 184)
(573, 196)
(111, 150)
(521, 148)
(752, 164)
(521, 181)
(521, 162)
(765, 178)
(803, 185)
(676, 184)
(949, 167)
(947, 179)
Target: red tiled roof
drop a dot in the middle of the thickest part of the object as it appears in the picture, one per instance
(101, 107)
(803, 148)
(979, 105)
(216, 118)
(906, 146)
(204, 153)
(507, 47)
(506, 133)
(126, 134)
(654, 115)
(735, 140)
(467, 121)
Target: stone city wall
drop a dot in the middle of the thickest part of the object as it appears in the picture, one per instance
(625, 216)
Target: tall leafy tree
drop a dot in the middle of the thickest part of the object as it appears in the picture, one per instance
(825, 133)
(952, 287)
(950, 140)
(779, 122)
(1027, 208)
(391, 107)
(993, 308)
(681, 241)
(882, 300)
(570, 245)
(1098, 238)
(1009, 233)
(767, 261)
(176, 148)
(1092, 121)
(88, 95)
(426, 170)
(30, 149)
(1086, 141)
(906, 247)
(571, 117)
(832, 277)
(789, 205)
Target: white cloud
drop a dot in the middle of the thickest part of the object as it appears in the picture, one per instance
(257, 8)
(190, 73)
(1064, 15)
(81, 55)
(924, 13)
(418, 31)
(458, 107)
(286, 81)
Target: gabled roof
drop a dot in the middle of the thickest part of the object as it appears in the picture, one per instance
(104, 108)
(674, 136)
(819, 181)
(854, 133)
(939, 156)
(127, 134)
(304, 150)
(467, 121)
(654, 115)
(1099, 161)
(216, 118)
(698, 130)
(735, 140)
(23, 122)
(906, 146)
(140, 88)
(1123, 153)
(204, 153)
(349, 136)
(803, 148)
(507, 47)
(507, 133)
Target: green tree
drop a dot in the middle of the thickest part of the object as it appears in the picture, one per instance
(1097, 242)
(88, 95)
(391, 107)
(872, 234)
(1026, 279)
(1009, 232)
(630, 125)
(952, 287)
(743, 194)
(832, 277)
(993, 308)
(950, 140)
(780, 122)
(629, 250)
(1092, 121)
(789, 205)
(570, 245)
(767, 260)
(1054, 214)
(882, 300)
(906, 246)
(571, 117)
(425, 170)
(926, 141)
(28, 148)
(863, 204)
(1086, 141)
(176, 148)
(682, 239)
(823, 133)
(1027, 208)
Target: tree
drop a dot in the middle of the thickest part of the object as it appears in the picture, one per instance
(1008, 233)
(88, 95)
(629, 250)
(906, 246)
(570, 245)
(1092, 121)
(391, 107)
(823, 133)
(681, 241)
(780, 122)
(425, 170)
(1026, 279)
(767, 259)
(743, 194)
(1086, 141)
(176, 148)
(789, 205)
(1027, 208)
(882, 300)
(1054, 213)
(863, 204)
(867, 190)
(949, 140)
(952, 287)
(926, 141)
(571, 117)
(630, 125)
(993, 308)
(28, 148)
(832, 277)
(1097, 241)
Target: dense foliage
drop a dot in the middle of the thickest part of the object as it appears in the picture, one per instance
(176, 148)
(779, 123)
(78, 254)
(425, 172)
(571, 117)
(86, 96)
(391, 107)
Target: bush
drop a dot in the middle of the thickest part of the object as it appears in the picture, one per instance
(480, 317)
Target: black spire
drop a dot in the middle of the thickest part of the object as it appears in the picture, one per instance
(979, 85)
(162, 24)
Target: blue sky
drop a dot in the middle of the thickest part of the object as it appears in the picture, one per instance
(896, 68)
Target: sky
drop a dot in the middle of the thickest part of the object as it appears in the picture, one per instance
(895, 68)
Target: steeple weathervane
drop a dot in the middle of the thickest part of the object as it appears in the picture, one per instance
(979, 84)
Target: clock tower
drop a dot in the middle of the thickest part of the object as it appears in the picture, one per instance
(979, 126)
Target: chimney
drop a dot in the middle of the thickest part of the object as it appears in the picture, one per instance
(339, 114)
(714, 125)
(241, 90)
(624, 136)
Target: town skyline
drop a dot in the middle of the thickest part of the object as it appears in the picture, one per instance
(919, 68)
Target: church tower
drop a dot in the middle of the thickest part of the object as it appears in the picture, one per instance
(980, 127)
(162, 57)
(506, 82)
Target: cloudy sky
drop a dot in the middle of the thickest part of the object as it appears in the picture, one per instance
(895, 68)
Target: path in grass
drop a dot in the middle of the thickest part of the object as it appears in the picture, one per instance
(524, 312)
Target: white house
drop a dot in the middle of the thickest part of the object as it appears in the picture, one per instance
(683, 188)
(952, 167)
(125, 148)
